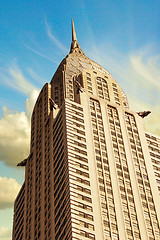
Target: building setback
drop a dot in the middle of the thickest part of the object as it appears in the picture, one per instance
(91, 171)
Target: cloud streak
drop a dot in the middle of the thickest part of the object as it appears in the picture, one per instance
(55, 40)
(146, 70)
(21, 83)
(14, 78)
(35, 76)
(41, 54)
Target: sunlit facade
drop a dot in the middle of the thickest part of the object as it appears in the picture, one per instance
(90, 172)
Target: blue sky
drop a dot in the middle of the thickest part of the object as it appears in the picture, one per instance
(122, 35)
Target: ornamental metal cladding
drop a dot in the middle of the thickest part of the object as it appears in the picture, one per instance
(92, 172)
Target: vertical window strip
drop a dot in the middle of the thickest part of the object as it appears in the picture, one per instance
(38, 175)
(58, 92)
(18, 229)
(89, 85)
(116, 95)
(29, 215)
(154, 150)
(47, 182)
(142, 178)
(102, 87)
(61, 193)
(78, 189)
(69, 89)
(127, 200)
(104, 179)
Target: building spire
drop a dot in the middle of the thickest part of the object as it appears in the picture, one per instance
(74, 38)
(74, 45)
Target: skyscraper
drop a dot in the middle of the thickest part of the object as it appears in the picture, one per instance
(89, 174)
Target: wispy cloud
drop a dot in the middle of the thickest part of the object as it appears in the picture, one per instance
(55, 40)
(146, 70)
(36, 76)
(14, 78)
(20, 82)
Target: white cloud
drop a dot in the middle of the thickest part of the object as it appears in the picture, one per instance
(14, 137)
(9, 188)
(5, 233)
(15, 133)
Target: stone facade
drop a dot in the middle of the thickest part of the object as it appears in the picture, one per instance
(90, 173)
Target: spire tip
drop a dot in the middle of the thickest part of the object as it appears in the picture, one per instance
(74, 38)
